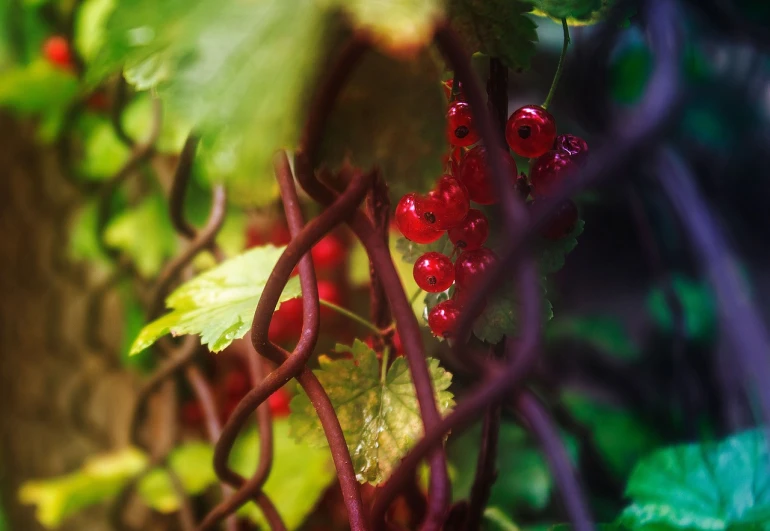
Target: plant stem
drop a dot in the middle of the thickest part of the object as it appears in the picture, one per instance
(560, 66)
(415, 296)
(353, 316)
(384, 366)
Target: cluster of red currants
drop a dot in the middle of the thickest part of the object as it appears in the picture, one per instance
(530, 132)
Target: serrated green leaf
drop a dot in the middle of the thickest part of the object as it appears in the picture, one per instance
(100, 478)
(604, 332)
(715, 486)
(300, 476)
(500, 316)
(379, 417)
(411, 251)
(553, 253)
(144, 234)
(220, 303)
(498, 28)
(239, 71)
(399, 27)
(391, 115)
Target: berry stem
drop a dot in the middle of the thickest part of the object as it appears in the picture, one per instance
(352, 316)
(384, 366)
(560, 66)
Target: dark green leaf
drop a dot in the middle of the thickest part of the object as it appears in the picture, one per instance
(553, 253)
(697, 303)
(500, 316)
(621, 437)
(220, 303)
(603, 332)
(716, 486)
(391, 115)
(498, 28)
(378, 412)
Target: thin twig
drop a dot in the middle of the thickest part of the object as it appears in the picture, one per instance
(560, 66)
(486, 469)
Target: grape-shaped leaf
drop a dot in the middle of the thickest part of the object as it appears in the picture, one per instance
(716, 486)
(220, 303)
(240, 71)
(377, 409)
(398, 26)
(498, 28)
(144, 234)
(100, 478)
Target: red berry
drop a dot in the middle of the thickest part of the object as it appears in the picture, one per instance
(471, 266)
(434, 272)
(562, 222)
(573, 145)
(328, 253)
(328, 291)
(460, 129)
(279, 403)
(57, 50)
(411, 224)
(192, 414)
(549, 171)
(472, 232)
(474, 174)
(462, 296)
(446, 206)
(287, 321)
(530, 131)
(443, 318)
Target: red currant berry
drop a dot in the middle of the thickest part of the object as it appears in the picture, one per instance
(287, 321)
(411, 224)
(460, 129)
(236, 383)
(192, 414)
(328, 291)
(471, 266)
(573, 145)
(443, 319)
(461, 298)
(57, 50)
(474, 174)
(434, 272)
(562, 222)
(549, 171)
(472, 232)
(279, 403)
(530, 131)
(328, 253)
(446, 206)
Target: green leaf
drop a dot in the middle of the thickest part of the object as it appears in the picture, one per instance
(391, 115)
(192, 464)
(379, 415)
(553, 253)
(411, 251)
(145, 234)
(498, 28)
(397, 26)
(103, 153)
(90, 19)
(220, 303)
(698, 305)
(300, 476)
(239, 71)
(100, 478)
(523, 479)
(497, 520)
(604, 332)
(500, 316)
(621, 437)
(83, 241)
(716, 486)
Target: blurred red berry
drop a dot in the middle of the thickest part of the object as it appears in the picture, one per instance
(328, 253)
(279, 403)
(57, 50)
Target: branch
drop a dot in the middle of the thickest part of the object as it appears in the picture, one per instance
(179, 187)
(486, 469)
(541, 426)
